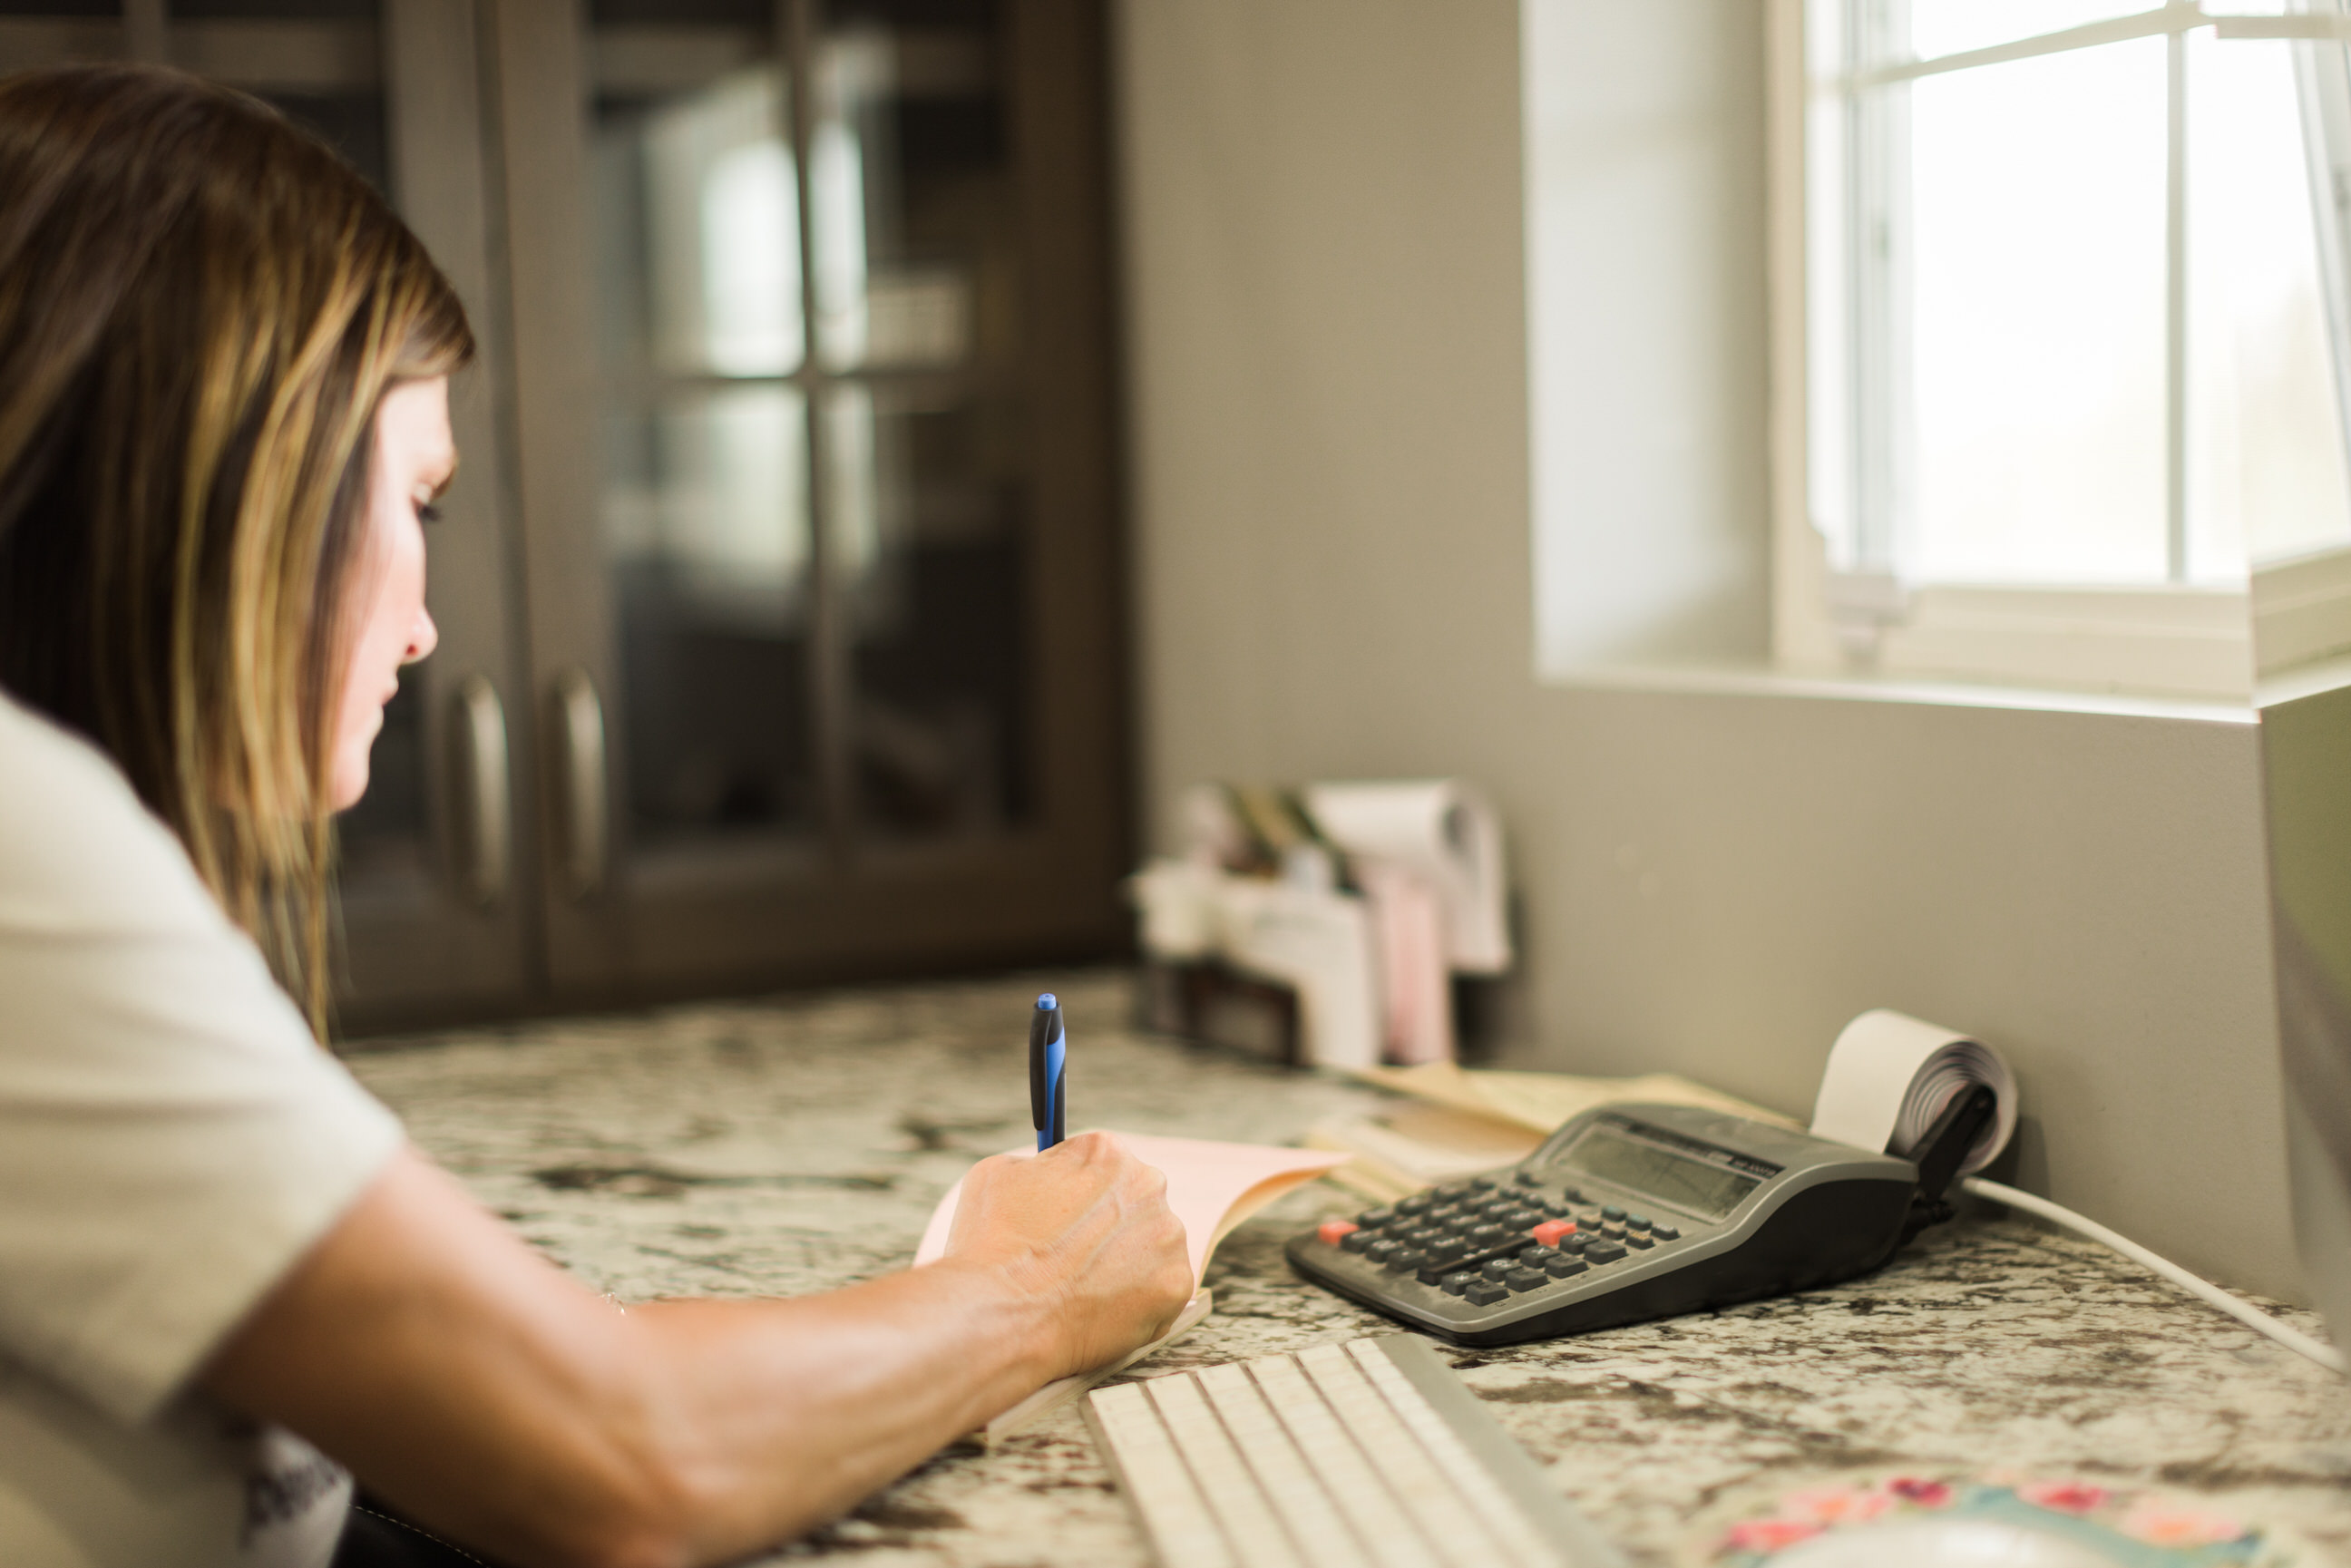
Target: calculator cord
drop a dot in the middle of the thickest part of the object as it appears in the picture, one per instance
(2252, 1317)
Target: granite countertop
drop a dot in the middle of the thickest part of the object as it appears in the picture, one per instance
(782, 1147)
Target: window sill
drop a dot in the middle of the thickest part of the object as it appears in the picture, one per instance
(1766, 681)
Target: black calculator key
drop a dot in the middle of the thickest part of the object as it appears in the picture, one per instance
(1486, 1235)
(1563, 1265)
(1404, 1260)
(1637, 1222)
(1372, 1219)
(1458, 1281)
(1355, 1241)
(1572, 1194)
(1575, 1243)
(1532, 1257)
(1640, 1239)
(1381, 1251)
(1611, 1212)
(1665, 1233)
(1604, 1251)
(1495, 1268)
(1525, 1279)
(1486, 1292)
(1529, 1178)
(1484, 1183)
(1418, 1203)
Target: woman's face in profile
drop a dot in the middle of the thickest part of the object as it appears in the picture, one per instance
(414, 458)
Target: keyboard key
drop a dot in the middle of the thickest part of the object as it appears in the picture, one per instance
(1239, 1505)
(1525, 1279)
(1484, 1183)
(1486, 1292)
(1335, 1232)
(1364, 1498)
(1572, 1194)
(1276, 1466)
(1488, 1234)
(1157, 1478)
(1355, 1241)
(1418, 1203)
(1564, 1265)
(1604, 1251)
(1640, 1240)
(1456, 1283)
(1372, 1219)
(1382, 1250)
(1497, 1268)
(1611, 1212)
(1529, 1178)
(1665, 1232)
(1548, 1234)
(1407, 1259)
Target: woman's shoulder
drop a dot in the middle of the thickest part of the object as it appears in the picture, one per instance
(76, 842)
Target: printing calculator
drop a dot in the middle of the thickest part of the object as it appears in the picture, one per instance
(1637, 1211)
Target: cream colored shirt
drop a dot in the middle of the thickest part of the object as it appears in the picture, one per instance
(171, 1140)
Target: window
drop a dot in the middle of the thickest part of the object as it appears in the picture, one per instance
(2072, 337)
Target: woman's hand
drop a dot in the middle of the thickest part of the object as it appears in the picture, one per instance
(1086, 1226)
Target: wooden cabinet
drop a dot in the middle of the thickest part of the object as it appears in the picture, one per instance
(779, 591)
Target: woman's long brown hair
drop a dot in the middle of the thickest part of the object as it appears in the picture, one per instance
(201, 307)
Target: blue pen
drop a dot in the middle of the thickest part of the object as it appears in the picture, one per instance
(1048, 1053)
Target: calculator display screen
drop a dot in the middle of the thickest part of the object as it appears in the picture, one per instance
(1668, 1177)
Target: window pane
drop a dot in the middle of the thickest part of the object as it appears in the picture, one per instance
(706, 531)
(2036, 287)
(2266, 475)
(705, 484)
(929, 540)
(698, 214)
(913, 211)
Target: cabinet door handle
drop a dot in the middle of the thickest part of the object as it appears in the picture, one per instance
(579, 734)
(485, 792)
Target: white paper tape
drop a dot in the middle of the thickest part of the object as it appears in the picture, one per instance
(1890, 1075)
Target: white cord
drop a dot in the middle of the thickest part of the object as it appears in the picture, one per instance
(2251, 1317)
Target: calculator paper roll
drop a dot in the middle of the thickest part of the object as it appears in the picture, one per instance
(1442, 831)
(1890, 1075)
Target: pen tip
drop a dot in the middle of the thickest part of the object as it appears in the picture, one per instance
(1046, 1002)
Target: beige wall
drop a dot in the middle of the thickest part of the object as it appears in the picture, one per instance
(1327, 341)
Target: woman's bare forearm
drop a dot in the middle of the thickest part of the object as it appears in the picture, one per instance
(471, 1383)
(780, 1415)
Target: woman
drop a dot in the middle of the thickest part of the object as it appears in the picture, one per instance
(223, 1274)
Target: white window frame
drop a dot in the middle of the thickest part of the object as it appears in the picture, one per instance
(2175, 638)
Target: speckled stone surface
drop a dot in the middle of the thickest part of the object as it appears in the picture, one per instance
(786, 1147)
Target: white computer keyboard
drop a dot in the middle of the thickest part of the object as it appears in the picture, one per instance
(1370, 1453)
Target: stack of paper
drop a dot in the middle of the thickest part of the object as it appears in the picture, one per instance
(1473, 1120)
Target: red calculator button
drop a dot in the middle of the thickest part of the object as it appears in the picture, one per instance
(1337, 1230)
(1549, 1231)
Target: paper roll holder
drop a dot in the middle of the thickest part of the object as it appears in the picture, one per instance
(1938, 1153)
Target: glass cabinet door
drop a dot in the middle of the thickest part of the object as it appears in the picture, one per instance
(820, 544)
(429, 908)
